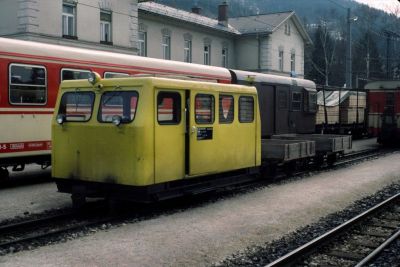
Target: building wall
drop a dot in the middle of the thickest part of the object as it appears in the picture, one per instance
(41, 20)
(154, 26)
(247, 53)
(288, 43)
(261, 53)
(8, 16)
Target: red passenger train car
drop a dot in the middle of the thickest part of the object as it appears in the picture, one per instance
(384, 111)
(30, 74)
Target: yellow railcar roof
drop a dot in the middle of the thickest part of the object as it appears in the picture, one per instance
(157, 82)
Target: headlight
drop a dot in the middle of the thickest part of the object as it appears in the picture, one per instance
(116, 120)
(60, 118)
(94, 77)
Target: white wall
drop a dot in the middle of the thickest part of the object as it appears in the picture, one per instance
(294, 41)
(41, 20)
(247, 53)
(8, 17)
(154, 39)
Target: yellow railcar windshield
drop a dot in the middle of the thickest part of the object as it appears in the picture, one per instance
(118, 103)
(77, 106)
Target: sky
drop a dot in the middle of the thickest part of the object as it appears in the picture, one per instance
(387, 5)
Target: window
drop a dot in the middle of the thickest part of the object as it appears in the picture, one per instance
(207, 54)
(77, 106)
(188, 51)
(390, 99)
(312, 102)
(69, 20)
(166, 45)
(142, 44)
(168, 108)
(246, 109)
(105, 26)
(108, 74)
(72, 74)
(224, 57)
(28, 84)
(204, 109)
(293, 62)
(280, 60)
(118, 103)
(296, 101)
(226, 108)
(287, 28)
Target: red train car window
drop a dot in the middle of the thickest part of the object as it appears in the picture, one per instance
(27, 85)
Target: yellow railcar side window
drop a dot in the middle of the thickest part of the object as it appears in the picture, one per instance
(77, 106)
(168, 108)
(246, 109)
(226, 109)
(118, 103)
(204, 109)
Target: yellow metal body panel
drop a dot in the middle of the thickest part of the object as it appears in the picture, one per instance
(233, 145)
(143, 152)
(169, 145)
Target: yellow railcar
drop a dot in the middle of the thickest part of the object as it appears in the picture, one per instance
(148, 138)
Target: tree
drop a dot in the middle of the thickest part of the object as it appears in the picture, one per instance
(367, 62)
(323, 55)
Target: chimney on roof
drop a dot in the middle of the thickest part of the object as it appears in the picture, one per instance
(196, 10)
(223, 14)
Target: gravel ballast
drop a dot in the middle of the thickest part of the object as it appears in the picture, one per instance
(208, 234)
(267, 253)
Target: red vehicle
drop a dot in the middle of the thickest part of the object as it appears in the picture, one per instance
(384, 111)
(30, 74)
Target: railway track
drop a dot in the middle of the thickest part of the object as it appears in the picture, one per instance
(19, 235)
(359, 156)
(353, 243)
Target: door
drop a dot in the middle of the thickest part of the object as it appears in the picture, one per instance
(267, 107)
(296, 109)
(201, 133)
(282, 94)
(170, 126)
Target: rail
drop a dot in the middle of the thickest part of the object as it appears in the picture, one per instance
(321, 241)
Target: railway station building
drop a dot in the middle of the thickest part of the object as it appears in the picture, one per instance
(269, 43)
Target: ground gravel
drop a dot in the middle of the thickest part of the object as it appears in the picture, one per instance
(267, 253)
(208, 234)
(31, 199)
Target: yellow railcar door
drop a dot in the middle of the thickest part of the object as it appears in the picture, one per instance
(200, 140)
(170, 126)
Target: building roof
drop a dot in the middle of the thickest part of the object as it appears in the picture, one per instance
(264, 23)
(268, 23)
(178, 14)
